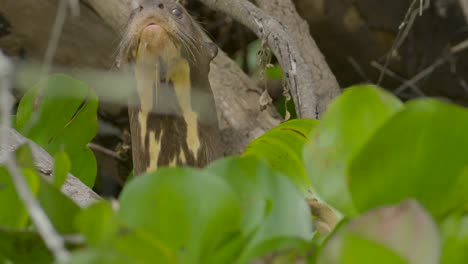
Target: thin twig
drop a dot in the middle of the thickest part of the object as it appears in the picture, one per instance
(403, 31)
(464, 7)
(436, 64)
(397, 77)
(6, 71)
(57, 28)
(105, 151)
(359, 70)
(52, 239)
(45, 228)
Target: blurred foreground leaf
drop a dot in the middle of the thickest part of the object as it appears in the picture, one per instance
(60, 114)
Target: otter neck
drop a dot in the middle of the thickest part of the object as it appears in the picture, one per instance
(164, 126)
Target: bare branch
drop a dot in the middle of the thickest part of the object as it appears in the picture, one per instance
(431, 68)
(105, 151)
(403, 30)
(81, 194)
(55, 36)
(297, 72)
(326, 86)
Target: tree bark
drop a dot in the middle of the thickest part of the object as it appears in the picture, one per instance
(297, 72)
(82, 195)
(326, 85)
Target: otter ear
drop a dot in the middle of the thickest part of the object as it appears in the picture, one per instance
(212, 49)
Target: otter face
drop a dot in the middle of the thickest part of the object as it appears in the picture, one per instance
(161, 29)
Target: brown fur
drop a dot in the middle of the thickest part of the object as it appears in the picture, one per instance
(166, 120)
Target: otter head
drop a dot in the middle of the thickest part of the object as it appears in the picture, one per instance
(163, 30)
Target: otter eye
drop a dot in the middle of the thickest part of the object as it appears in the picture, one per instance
(177, 12)
(140, 8)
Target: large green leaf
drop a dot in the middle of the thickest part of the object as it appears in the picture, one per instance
(282, 148)
(99, 256)
(404, 233)
(61, 168)
(190, 211)
(421, 152)
(455, 234)
(60, 114)
(13, 213)
(103, 230)
(98, 223)
(23, 247)
(347, 125)
(274, 212)
(356, 249)
(144, 248)
(60, 209)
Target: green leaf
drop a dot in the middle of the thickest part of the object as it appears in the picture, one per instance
(228, 250)
(249, 59)
(282, 147)
(13, 214)
(347, 125)
(58, 207)
(422, 153)
(59, 114)
(189, 211)
(274, 73)
(404, 233)
(98, 223)
(101, 256)
(23, 247)
(103, 230)
(355, 249)
(144, 248)
(285, 251)
(61, 168)
(266, 202)
(455, 235)
(284, 107)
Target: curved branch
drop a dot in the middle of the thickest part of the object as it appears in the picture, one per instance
(297, 72)
(73, 188)
(327, 87)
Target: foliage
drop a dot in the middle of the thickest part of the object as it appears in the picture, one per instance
(396, 172)
(59, 114)
(282, 148)
(270, 72)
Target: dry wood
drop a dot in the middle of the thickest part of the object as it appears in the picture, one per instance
(82, 195)
(298, 77)
(326, 85)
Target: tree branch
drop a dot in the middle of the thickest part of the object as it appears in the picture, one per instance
(297, 72)
(326, 86)
(81, 194)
